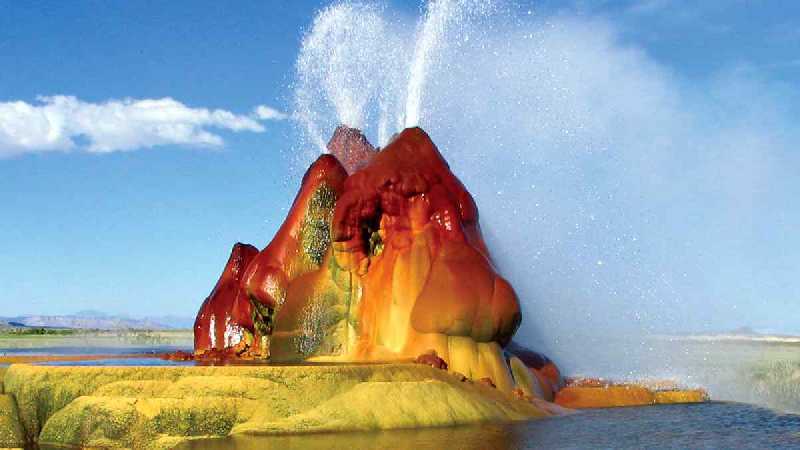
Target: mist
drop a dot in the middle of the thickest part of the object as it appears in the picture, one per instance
(621, 200)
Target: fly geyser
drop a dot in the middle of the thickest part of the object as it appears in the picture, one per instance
(380, 262)
(381, 258)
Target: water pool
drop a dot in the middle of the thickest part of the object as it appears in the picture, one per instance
(715, 425)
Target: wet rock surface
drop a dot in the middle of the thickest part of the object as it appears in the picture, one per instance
(380, 258)
(224, 322)
(351, 148)
(432, 359)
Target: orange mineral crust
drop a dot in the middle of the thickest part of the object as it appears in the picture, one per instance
(409, 229)
(595, 393)
(387, 263)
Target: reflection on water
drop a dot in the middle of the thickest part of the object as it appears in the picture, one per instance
(71, 351)
(95, 343)
(711, 425)
(472, 437)
(153, 359)
(119, 362)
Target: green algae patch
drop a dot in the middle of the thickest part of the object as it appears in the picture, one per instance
(159, 407)
(11, 433)
(93, 422)
(114, 422)
(3, 371)
(136, 389)
(403, 404)
(315, 230)
(41, 391)
(222, 386)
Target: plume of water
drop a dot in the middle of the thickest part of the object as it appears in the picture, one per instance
(343, 71)
(586, 158)
(364, 68)
(484, 84)
(440, 16)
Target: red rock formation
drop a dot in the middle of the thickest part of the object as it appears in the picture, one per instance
(297, 251)
(424, 222)
(351, 148)
(546, 370)
(488, 382)
(431, 359)
(224, 320)
(383, 264)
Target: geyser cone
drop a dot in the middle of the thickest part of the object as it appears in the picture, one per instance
(351, 148)
(386, 263)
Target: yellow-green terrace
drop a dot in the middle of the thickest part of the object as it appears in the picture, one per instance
(158, 407)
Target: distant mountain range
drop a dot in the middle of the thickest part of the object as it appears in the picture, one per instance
(95, 320)
(741, 334)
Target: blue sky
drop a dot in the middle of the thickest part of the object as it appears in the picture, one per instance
(113, 216)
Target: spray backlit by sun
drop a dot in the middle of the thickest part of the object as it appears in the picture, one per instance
(512, 104)
(360, 67)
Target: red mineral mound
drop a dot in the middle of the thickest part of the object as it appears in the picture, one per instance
(224, 320)
(380, 258)
(351, 148)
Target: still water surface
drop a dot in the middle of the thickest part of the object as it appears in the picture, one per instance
(717, 425)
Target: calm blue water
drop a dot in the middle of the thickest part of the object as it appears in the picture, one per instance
(715, 425)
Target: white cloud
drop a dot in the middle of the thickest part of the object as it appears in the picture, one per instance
(68, 123)
(264, 112)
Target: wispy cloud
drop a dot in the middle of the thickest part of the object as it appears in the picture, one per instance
(264, 112)
(60, 123)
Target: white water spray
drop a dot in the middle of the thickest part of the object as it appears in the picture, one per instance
(589, 162)
(360, 67)
(504, 103)
(440, 16)
(342, 70)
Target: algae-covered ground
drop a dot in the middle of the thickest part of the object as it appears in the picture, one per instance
(11, 432)
(159, 407)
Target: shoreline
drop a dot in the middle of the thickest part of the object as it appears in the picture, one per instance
(33, 359)
(161, 406)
